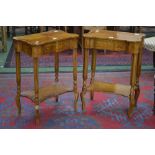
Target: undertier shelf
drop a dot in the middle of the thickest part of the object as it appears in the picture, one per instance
(47, 92)
(120, 89)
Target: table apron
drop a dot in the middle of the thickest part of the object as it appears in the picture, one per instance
(110, 44)
(37, 51)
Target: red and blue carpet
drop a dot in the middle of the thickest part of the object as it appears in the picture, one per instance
(105, 111)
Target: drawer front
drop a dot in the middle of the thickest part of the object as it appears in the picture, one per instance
(48, 48)
(27, 49)
(60, 46)
(66, 45)
(107, 44)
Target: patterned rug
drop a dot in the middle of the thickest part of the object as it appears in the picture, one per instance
(105, 111)
(105, 59)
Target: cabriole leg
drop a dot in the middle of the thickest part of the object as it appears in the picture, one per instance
(85, 72)
(132, 97)
(57, 70)
(75, 89)
(36, 89)
(93, 69)
(18, 81)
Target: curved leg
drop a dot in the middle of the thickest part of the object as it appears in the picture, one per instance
(132, 97)
(56, 70)
(139, 62)
(18, 81)
(93, 69)
(85, 72)
(36, 90)
(75, 89)
(132, 102)
(137, 93)
(137, 90)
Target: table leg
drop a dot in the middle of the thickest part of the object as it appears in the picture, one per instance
(93, 69)
(4, 38)
(18, 81)
(36, 89)
(56, 70)
(76, 94)
(132, 97)
(137, 90)
(85, 72)
(139, 63)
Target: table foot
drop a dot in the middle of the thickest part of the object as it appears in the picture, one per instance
(91, 95)
(37, 121)
(130, 111)
(37, 115)
(83, 101)
(18, 104)
(132, 105)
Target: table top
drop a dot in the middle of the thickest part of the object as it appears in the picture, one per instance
(45, 37)
(114, 35)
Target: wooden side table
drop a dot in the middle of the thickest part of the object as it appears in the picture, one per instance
(37, 45)
(115, 41)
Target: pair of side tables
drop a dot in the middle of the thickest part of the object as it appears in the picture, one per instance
(56, 41)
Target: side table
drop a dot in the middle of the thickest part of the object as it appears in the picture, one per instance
(37, 45)
(115, 41)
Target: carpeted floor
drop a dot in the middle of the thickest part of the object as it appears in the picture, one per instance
(105, 111)
(108, 59)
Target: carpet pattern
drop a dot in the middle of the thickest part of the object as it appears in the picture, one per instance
(104, 112)
(108, 59)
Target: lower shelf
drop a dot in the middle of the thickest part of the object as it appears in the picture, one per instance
(47, 92)
(119, 89)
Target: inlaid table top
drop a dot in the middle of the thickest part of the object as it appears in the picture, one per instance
(45, 37)
(115, 35)
(36, 45)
